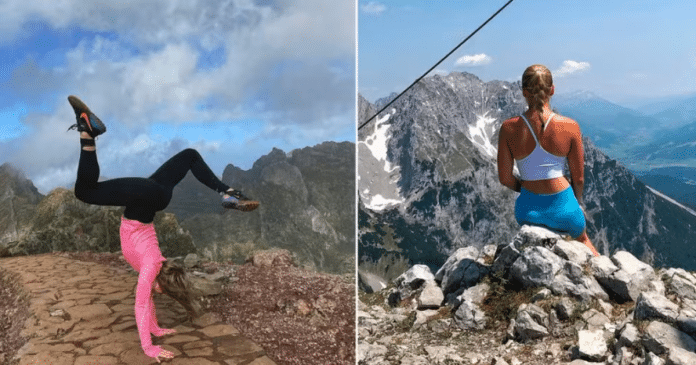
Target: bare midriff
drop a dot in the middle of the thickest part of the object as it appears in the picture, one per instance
(548, 186)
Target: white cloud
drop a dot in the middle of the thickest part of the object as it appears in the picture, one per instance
(288, 64)
(373, 8)
(570, 67)
(473, 60)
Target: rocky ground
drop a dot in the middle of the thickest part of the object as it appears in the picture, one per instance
(537, 300)
(14, 309)
(296, 316)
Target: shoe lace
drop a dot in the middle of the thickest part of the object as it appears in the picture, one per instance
(236, 194)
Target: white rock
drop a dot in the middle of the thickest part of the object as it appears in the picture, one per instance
(634, 267)
(659, 336)
(629, 336)
(652, 305)
(572, 281)
(573, 251)
(682, 283)
(470, 316)
(591, 345)
(679, 356)
(414, 277)
(431, 296)
(536, 266)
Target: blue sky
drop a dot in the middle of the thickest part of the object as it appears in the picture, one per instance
(232, 78)
(623, 51)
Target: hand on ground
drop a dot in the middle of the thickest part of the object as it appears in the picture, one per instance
(165, 355)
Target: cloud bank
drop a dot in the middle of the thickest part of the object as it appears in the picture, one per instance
(473, 60)
(287, 64)
(570, 67)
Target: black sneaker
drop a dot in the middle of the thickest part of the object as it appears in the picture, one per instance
(235, 200)
(86, 120)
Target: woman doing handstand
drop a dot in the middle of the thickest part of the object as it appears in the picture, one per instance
(542, 142)
(142, 197)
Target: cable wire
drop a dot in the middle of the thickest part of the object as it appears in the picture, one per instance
(438, 63)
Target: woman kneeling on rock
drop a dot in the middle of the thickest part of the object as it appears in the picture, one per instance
(142, 198)
(542, 143)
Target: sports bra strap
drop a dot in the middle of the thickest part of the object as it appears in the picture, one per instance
(532, 130)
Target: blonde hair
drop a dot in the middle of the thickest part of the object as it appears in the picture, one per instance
(538, 82)
(175, 282)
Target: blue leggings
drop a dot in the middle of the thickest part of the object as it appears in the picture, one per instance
(559, 211)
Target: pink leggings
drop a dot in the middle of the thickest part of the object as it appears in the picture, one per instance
(141, 250)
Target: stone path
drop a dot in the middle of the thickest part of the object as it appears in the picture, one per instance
(82, 313)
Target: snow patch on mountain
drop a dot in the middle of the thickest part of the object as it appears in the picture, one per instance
(378, 182)
(377, 141)
(481, 132)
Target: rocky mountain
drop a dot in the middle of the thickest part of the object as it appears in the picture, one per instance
(18, 199)
(539, 300)
(307, 206)
(428, 183)
(60, 222)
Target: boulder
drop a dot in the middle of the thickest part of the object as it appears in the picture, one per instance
(463, 269)
(536, 266)
(651, 306)
(573, 251)
(679, 356)
(529, 236)
(629, 336)
(412, 280)
(431, 296)
(504, 259)
(469, 316)
(680, 282)
(572, 281)
(660, 336)
(531, 323)
(686, 321)
(591, 345)
(624, 277)
(595, 319)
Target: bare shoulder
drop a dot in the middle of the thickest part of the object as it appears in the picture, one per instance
(510, 124)
(567, 123)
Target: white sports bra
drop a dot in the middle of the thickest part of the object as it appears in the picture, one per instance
(540, 165)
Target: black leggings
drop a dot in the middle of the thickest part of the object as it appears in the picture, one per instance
(142, 197)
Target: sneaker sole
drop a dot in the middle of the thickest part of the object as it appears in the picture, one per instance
(244, 206)
(83, 111)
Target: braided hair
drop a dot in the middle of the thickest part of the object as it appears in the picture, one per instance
(538, 82)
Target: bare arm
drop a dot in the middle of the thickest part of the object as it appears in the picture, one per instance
(506, 160)
(576, 163)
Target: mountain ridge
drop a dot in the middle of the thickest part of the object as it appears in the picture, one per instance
(449, 187)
